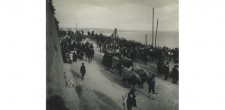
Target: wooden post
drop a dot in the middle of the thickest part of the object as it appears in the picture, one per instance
(156, 31)
(146, 39)
(152, 25)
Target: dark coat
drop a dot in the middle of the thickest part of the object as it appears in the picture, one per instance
(166, 69)
(175, 73)
(151, 83)
(82, 70)
(92, 52)
(131, 101)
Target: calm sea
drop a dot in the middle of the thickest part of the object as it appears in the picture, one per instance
(164, 38)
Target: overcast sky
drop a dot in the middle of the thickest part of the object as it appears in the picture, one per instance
(121, 14)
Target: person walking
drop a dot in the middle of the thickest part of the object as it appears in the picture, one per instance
(130, 100)
(89, 55)
(71, 57)
(145, 58)
(92, 53)
(82, 70)
(159, 67)
(175, 74)
(166, 70)
(119, 68)
(151, 86)
(75, 56)
(91, 46)
(100, 46)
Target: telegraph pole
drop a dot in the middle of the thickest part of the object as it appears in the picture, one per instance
(156, 31)
(146, 39)
(152, 25)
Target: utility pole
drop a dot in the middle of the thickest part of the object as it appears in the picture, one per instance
(156, 31)
(152, 25)
(146, 39)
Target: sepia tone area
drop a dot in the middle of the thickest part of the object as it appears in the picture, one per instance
(110, 72)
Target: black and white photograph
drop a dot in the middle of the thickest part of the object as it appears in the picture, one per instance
(112, 55)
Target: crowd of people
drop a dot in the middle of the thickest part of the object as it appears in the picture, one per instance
(130, 97)
(163, 69)
(73, 47)
(134, 50)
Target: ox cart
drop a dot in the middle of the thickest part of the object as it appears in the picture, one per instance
(115, 61)
(107, 60)
(110, 59)
(127, 62)
(129, 77)
(142, 74)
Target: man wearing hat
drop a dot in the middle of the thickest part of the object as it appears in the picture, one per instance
(166, 70)
(175, 74)
(82, 70)
(151, 86)
(130, 99)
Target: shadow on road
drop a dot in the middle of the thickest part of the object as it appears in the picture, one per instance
(79, 90)
(106, 103)
(75, 74)
(94, 100)
(55, 103)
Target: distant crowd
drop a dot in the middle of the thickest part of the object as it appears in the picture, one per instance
(72, 47)
(133, 49)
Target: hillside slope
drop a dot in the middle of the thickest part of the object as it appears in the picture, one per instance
(57, 92)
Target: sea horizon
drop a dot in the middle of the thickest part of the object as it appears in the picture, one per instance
(169, 39)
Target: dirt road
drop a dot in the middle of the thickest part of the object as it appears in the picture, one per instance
(103, 90)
